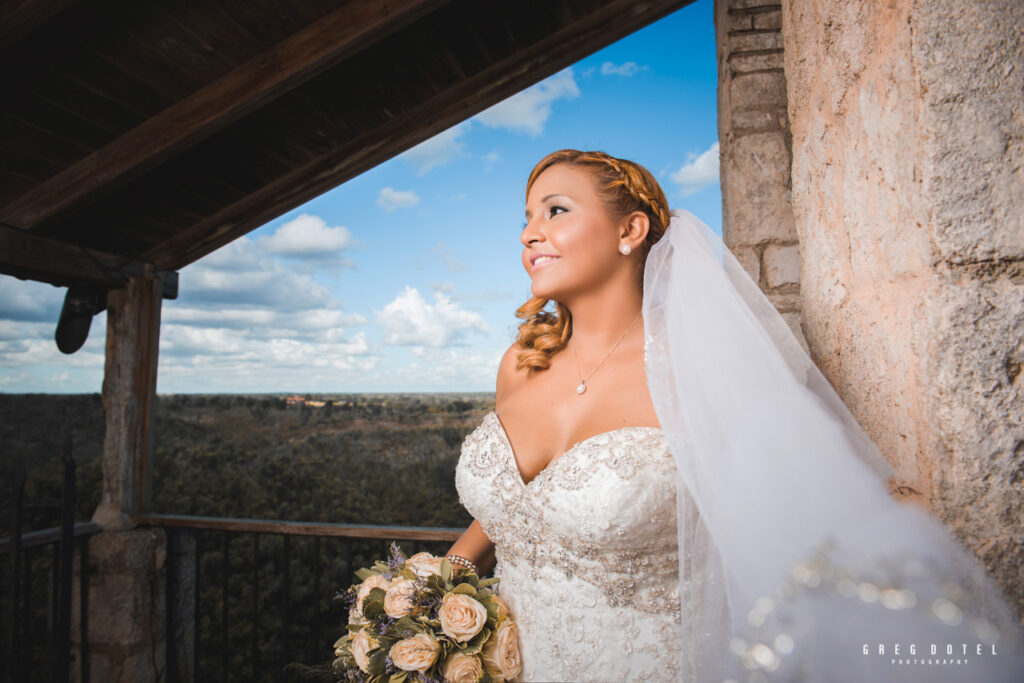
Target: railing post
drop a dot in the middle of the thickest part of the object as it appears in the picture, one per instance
(62, 626)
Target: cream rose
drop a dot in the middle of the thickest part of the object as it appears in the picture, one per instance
(398, 600)
(361, 644)
(424, 564)
(416, 653)
(461, 616)
(501, 651)
(460, 668)
(374, 581)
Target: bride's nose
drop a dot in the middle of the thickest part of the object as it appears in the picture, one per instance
(531, 233)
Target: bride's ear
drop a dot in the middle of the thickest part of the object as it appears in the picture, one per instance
(634, 228)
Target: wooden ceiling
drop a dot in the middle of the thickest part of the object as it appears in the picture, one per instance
(155, 131)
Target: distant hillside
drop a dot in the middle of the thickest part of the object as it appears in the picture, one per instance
(361, 458)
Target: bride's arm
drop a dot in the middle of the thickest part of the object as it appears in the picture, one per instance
(474, 545)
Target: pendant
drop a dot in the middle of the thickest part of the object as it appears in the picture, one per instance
(581, 387)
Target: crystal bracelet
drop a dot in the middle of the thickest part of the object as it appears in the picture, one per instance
(468, 564)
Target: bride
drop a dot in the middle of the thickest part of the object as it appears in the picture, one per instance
(670, 490)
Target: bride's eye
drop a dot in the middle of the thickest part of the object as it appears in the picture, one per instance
(554, 208)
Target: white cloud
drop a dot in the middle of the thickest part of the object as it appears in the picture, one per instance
(390, 199)
(438, 150)
(29, 300)
(626, 69)
(527, 111)
(698, 172)
(307, 236)
(410, 321)
(241, 273)
(492, 157)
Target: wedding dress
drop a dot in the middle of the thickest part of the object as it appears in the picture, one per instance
(750, 538)
(586, 552)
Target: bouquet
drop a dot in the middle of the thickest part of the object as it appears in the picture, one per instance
(418, 619)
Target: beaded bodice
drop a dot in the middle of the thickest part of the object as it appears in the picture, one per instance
(586, 550)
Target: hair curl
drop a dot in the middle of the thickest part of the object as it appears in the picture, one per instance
(625, 186)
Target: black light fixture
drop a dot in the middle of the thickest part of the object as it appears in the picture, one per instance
(81, 303)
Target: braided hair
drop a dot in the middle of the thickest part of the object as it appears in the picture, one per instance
(625, 187)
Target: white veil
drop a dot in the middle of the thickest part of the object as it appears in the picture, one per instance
(793, 555)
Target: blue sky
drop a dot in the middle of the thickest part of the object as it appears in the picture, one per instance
(407, 277)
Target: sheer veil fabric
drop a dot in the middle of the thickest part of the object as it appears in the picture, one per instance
(795, 562)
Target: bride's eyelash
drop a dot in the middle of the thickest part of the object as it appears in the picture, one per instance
(550, 210)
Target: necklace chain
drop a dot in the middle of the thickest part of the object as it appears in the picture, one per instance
(582, 386)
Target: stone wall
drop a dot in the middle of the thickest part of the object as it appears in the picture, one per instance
(754, 147)
(907, 188)
(125, 598)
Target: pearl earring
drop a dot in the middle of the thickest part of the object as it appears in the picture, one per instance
(625, 249)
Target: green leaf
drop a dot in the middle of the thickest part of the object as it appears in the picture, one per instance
(373, 608)
(475, 645)
(484, 583)
(364, 573)
(375, 661)
(465, 589)
(398, 677)
(446, 571)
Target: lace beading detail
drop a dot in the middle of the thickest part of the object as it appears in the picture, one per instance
(587, 552)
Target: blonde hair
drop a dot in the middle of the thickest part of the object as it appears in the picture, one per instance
(625, 187)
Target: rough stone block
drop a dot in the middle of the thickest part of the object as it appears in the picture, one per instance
(758, 90)
(750, 61)
(747, 42)
(772, 19)
(781, 265)
(756, 174)
(750, 121)
(749, 259)
(740, 22)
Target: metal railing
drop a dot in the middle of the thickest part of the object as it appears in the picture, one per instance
(38, 594)
(253, 600)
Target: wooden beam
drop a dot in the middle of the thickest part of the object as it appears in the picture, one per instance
(349, 29)
(269, 526)
(129, 399)
(18, 19)
(33, 257)
(484, 89)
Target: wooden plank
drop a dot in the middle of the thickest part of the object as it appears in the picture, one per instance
(266, 526)
(545, 57)
(347, 30)
(18, 19)
(33, 257)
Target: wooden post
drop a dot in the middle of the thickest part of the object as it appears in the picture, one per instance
(129, 398)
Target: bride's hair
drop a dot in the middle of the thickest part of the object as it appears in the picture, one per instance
(625, 186)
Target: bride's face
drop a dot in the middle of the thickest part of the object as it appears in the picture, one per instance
(570, 242)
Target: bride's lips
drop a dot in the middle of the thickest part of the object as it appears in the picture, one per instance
(541, 260)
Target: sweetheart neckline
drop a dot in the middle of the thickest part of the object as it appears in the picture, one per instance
(515, 460)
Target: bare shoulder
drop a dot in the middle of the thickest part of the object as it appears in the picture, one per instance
(508, 376)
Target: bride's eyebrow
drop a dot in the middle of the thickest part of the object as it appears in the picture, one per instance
(546, 198)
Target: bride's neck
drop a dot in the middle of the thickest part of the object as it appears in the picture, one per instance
(601, 319)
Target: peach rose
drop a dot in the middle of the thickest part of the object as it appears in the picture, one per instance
(374, 581)
(416, 653)
(361, 644)
(460, 668)
(398, 600)
(461, 616)
(424, 564)
(501, 651)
